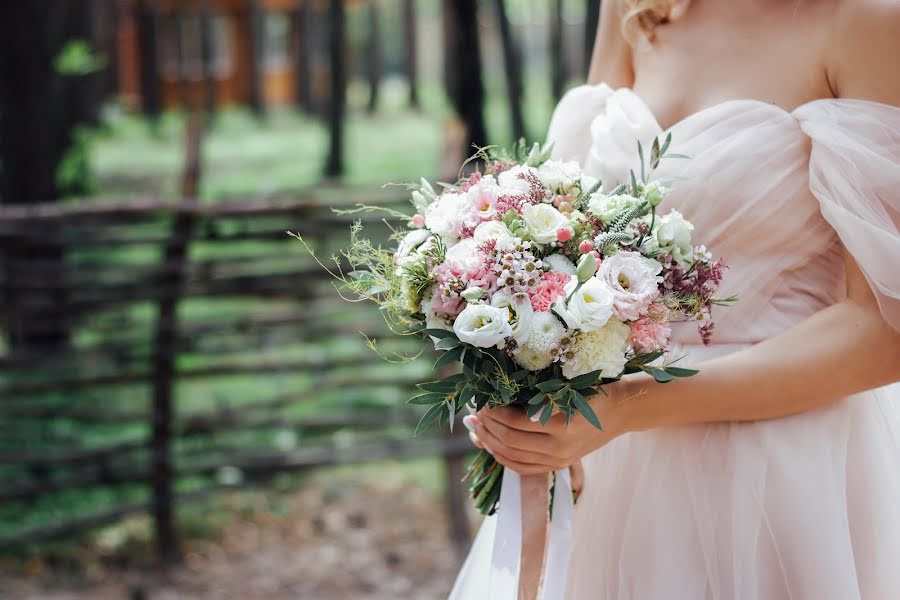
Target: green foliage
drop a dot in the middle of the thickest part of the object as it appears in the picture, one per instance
(78, 58)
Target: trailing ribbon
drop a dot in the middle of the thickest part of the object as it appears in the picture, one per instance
(506, 559)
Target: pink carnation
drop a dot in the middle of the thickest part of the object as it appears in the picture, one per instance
(549, 290)
(652, 332)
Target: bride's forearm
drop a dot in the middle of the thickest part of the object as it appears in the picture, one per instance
(842, 350)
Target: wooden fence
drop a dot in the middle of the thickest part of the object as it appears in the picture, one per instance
(163, 302)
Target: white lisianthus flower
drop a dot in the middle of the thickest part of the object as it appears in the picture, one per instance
(633, 280)
(511, 183)
(559, 263)
(542, 221)
(559, 176)
(672, 233)
(589, 308)
(445, 215)
(521, 315)
(607, 207)
(483, 325)
(602, 350)
(494, 230)
(483, 197)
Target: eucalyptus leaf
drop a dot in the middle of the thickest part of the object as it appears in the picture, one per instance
(441, 333)
(551, 385)
(429, 417)
(429, 398)
(449, 357)
(586, 411)
(660, 376)
(681, 372)
(546, 413)
(447, 344)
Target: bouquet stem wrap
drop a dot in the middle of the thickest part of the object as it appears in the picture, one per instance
(520, 530)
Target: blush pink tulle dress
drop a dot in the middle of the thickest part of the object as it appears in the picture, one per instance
(806, 507)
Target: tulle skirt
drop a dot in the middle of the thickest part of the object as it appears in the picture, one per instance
(804, 507)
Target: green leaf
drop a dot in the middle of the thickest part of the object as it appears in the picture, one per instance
(660, 376)
(587, 412)
(546, 414)
(538, 398)
(681, 372)
(429, 417)
(445, 386)
(451, 413)
(429, 398)
(641, 156)
(449, 357)
(587, 392)
(634, 187)
(675, 155)
(585, 380)
(665, 145)
(643, 359)
(447, 344)
(534, 409)
(551, 385)
(440, 333)
(654, 153)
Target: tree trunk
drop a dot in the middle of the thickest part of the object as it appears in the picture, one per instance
(148, 48)
(512, 58)
(557, 54)
(412, 50)
(373, 58)
(302, 49)
(40, 108)
(462, 69)
(591, 21)
(210, 82)
(254, 59)
(334, 167)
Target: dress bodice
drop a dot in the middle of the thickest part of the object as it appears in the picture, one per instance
(778, 194)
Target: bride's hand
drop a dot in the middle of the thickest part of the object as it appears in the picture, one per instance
(529, 448)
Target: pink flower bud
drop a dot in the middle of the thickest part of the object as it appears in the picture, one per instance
(597, 256)
(556, 201)
(585, 246)
(418, 221)
(563, 234)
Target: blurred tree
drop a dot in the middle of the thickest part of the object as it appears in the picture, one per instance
(462, 68)
(254, 57)
(591, 20)
(557, 50)
(50, 84)
(148, 48)
(302, 50)
(411, 46)
(373, 55)
(512, 58)
(334, 166)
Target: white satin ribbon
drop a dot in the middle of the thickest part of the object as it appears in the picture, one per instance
(506, 556)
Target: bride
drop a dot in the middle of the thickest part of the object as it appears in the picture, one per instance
(775, 472)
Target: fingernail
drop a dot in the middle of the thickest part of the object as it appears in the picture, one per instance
(488, 450)
(469, 422)
(536, 417)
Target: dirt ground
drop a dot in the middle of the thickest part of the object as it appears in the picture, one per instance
(348, 540)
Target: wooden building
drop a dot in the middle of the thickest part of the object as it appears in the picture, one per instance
(219, 52)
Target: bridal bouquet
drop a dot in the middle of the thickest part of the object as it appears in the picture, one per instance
(541, 286)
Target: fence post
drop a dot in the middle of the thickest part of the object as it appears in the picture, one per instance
(175, 259)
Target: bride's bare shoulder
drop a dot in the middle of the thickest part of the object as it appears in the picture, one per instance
(611, 60)
(865, 59)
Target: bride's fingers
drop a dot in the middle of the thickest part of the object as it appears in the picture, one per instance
(496, 445)
(521, 440)
(521, 468)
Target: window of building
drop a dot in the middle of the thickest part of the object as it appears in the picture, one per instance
(276, 40)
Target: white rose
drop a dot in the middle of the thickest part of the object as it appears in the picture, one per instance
(483, 325)
(559, 176)
(589, 308)
(511, 183)
(672, 233)
(560, 263)
(601, 350)
(464, 255)
(521, 315)
(494, 230)
(542, 221)
(607, 207)
(633, 281)
(445, 214)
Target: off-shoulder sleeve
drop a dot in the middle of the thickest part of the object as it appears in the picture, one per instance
(570, 125)
(854, 172)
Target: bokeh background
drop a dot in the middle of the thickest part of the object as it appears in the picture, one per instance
(187, 409)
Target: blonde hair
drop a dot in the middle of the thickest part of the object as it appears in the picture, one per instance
(642, 17)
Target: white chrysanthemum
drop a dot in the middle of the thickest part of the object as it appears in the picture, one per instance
(531, 359)
(607, 207)
(600, 350)
(560, 263)
(545, 331)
